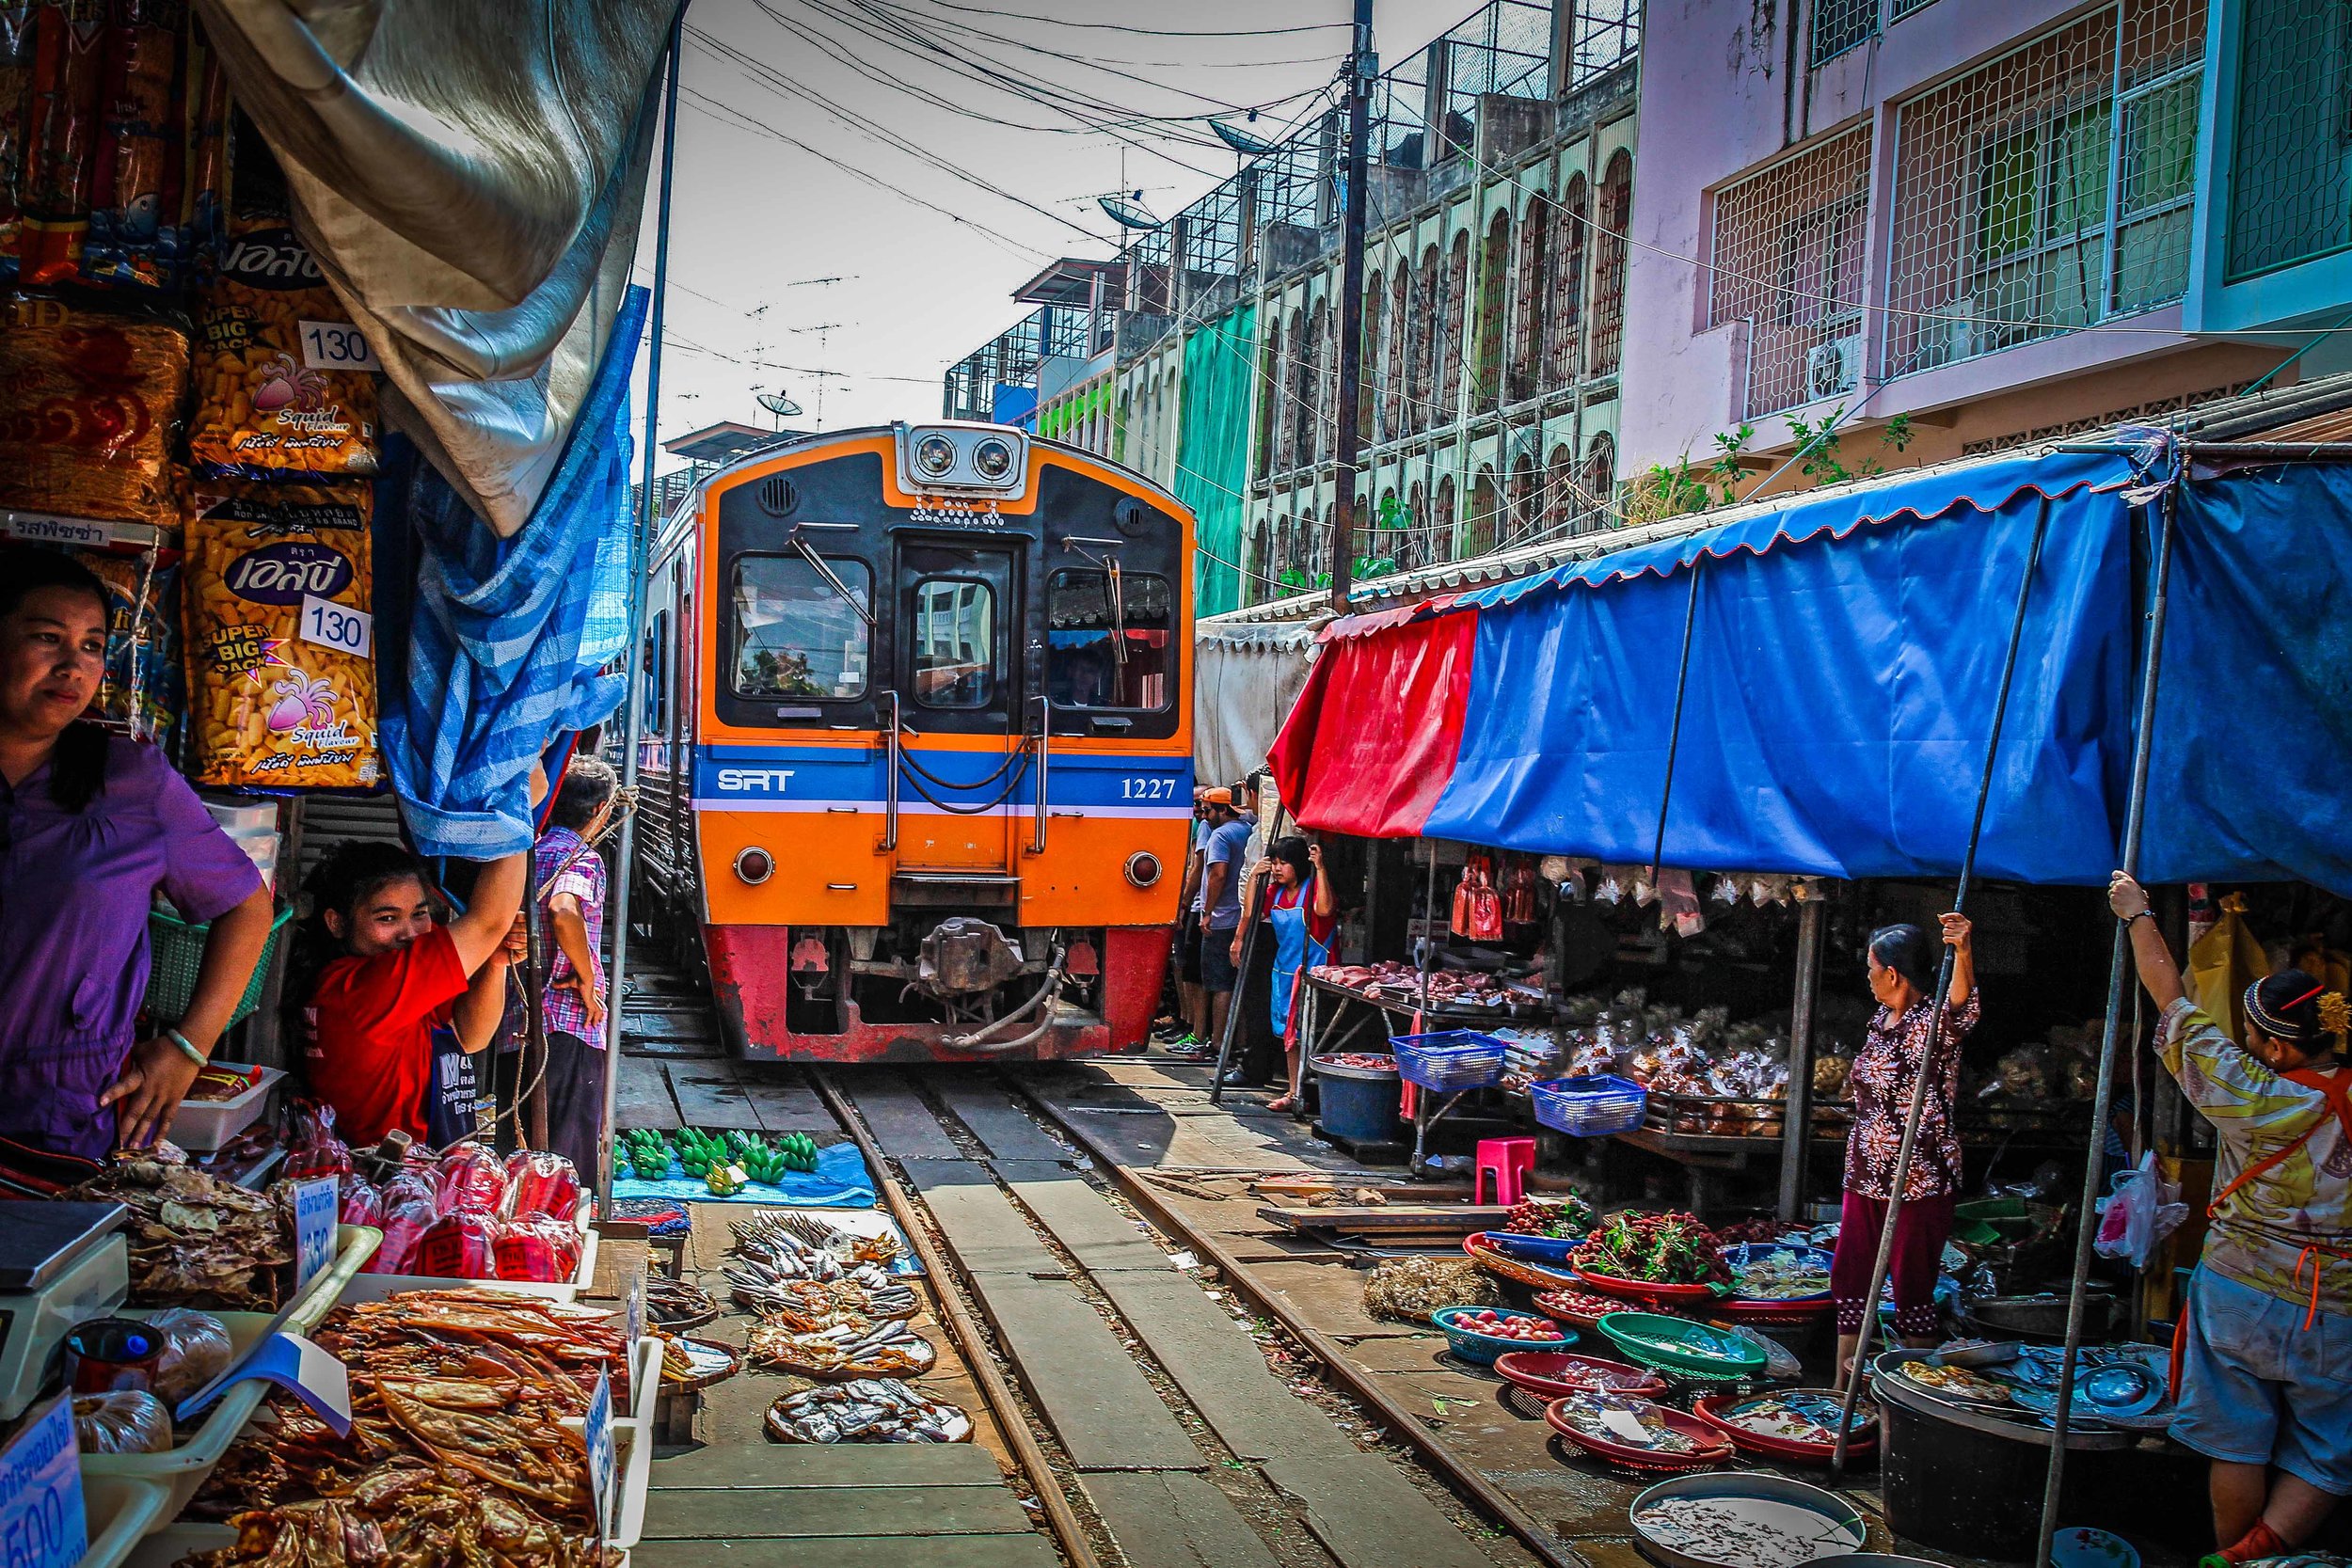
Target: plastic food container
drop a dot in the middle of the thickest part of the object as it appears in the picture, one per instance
(1592, 1106)
(201, 1126)
(376, 1286)
(1454, 1060)
(1481, 1348)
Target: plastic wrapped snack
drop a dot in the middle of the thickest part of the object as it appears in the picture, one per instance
(361, 1202)
(65, 68)
(196, 1351)
(89, 409)
(144, 685)
(136, 236)
(405, 1219)
(538, 1183)
(461, 1245)
(281, 674)
(284, 381)
(471, 1178)
(124, 1421)
(537, 1248)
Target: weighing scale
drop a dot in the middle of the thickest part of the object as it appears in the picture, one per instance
(61, 1264)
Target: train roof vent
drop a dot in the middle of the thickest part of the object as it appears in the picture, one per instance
(778, 495)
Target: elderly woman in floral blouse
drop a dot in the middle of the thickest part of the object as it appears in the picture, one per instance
(1903, 963)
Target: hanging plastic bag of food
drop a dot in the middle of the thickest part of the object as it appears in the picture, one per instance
(538, 1183)
(65, 55)
(135, 237)
(89, 408)
(2222, 963)
(472, 1179)
(284, 381)
(144, 685)
(281, 643)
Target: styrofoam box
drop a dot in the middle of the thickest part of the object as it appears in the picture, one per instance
(201, 1126)
(376, 1286)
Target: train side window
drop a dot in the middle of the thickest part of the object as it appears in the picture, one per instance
(955, 643)
(794, 635)
(656, 663)
(1086, 634)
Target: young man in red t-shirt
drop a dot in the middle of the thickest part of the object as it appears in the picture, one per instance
(394, 977)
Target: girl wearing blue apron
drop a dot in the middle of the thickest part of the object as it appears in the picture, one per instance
(1300, 913)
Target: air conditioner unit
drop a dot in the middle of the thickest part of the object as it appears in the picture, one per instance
(1947, 334)
(1832, 369)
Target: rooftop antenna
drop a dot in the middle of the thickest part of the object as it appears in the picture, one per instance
(780, 406)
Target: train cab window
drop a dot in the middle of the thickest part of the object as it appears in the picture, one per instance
(656, 715)
(794, 634)
(955, 643)
(1106, 653)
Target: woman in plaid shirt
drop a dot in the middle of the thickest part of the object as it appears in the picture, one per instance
(571, 879)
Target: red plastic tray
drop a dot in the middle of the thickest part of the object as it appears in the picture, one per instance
(1741, 1311)
(1714, 1450)
(1644, 1290)
(1710, 1410)
(1540, 1371)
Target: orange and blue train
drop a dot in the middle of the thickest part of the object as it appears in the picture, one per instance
(918, 768)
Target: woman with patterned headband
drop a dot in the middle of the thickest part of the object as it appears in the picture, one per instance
(2265, 1349)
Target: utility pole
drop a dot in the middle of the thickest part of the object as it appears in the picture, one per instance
(1362, 67)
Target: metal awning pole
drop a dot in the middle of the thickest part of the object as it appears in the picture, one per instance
(1674, 732)
(633, 705)
(2119, 976)
(1853, 1389)
(1796, 1111)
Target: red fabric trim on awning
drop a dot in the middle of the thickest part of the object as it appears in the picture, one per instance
(1370, 744)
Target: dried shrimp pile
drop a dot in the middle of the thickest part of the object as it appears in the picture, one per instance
(450, 1390)
(1409, 1288)
(196, 1241)
(870, 1410)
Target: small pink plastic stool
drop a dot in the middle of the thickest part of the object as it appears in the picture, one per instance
(1510, 1159)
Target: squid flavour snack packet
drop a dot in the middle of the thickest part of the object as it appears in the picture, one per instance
(281, 675)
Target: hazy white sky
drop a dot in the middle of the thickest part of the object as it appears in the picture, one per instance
(757, 218)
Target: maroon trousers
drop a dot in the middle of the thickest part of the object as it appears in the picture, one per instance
(1920, 1232)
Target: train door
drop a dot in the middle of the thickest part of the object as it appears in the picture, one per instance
(959, 615)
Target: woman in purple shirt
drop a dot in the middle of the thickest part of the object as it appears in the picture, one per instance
(91, 826)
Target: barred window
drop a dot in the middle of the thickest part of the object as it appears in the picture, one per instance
(1615, 211)
(1567, 325)
(1452, 331)
(2291, 164)
(2049, 189)
(1494, 271)
(1840, 24)
(1393, 420)
(1787, 261)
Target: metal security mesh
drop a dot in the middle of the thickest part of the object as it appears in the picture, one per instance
(2291, 166)
(1839, 24)
(2047, 190)
(1897, 10)
(1788, 262)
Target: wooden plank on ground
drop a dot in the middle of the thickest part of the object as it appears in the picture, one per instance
(997, 1121)
(782, 1097)
(708, 1096)
(984, 1230)
(735, 1513)
(1369, 1516)
(963, 1551)
(1169, 1519)
(1442, 1220)
(1221, 1369)
(1105, 1414)
(1080, 1217)
(669, 1023)
(771, 1465)
(902, 1124)
(642, 1097)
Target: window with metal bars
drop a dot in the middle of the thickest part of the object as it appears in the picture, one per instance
(1453, 332)
(2290, 155)
(1393, 420)
(1897, 10)
(1566, 328)
(1787, 261)
(1494, 271)
(1840, 24)
(1614, 209)
(2047, 190)
(1531, 302)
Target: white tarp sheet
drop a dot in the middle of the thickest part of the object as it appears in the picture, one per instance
(1245, 674)
(470, 178)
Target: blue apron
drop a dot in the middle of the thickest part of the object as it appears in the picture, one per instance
(1294, 951)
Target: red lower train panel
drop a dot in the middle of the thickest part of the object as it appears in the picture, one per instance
(750, 979)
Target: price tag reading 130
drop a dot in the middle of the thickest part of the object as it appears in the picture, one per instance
(339, 627)
(42, 1524)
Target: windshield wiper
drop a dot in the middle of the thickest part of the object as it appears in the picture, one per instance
(833, 582)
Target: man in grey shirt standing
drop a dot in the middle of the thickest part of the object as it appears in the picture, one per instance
(1224, 864)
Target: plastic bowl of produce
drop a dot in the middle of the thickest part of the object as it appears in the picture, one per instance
(1479, 1334)
(1534, 1249)
(1556, 1373)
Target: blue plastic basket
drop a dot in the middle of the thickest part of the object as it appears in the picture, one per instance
(1455, 1059)
(1592, 1106)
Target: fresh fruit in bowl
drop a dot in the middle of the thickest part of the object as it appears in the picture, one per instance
(1529, 1329)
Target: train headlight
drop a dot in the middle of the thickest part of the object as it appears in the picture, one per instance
(755, 865)
(992, 460)
(935, 457)
(1143, 868)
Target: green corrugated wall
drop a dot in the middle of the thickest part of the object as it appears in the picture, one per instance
(1212, 451)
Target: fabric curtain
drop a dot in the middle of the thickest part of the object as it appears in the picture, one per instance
(1245, 679)
(512, 642)
(1213, 453)
(1369, 745)
(470, 178)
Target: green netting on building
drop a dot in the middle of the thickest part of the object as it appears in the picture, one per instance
(1212, 451)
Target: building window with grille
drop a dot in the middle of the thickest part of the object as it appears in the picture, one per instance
(1440, 535)
(1522, 520)
(1840, 24)
(1428, 344)
(1533, 297)
(1269, 390)
(1375, 366)
(2049, 190)
(1453, 305)
(1494, 271)
(1561, 508)
(1567, 322)
(2291, 158)
(1787, 261)
(1600, 482)
(1615, 209)
(1392, 422)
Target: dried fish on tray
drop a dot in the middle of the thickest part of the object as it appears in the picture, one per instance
(869, 1410)
(517, 1346)
(195, 1240)
(677, 1305)
(889, 1349)
(848, 1246)
(808, 1304)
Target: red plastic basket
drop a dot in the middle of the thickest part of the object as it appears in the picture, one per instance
(1650, 1290)
(1711, 1410)
(1713, 1450)
(1553, 1373)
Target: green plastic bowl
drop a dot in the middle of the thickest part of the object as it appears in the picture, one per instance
(1679, 1345)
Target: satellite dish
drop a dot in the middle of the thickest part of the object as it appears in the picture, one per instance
(1247, 142)
(777, 404)
(1126, 214)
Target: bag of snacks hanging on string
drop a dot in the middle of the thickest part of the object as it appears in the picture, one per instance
(62, 67)
(89, 408)
(281, 674)
(285, 383)
(144, 685)
(136, 234)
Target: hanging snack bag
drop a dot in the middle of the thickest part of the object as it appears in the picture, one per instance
(89, 406)
(135, 232)
(143, 686)
(284, 381)
(281, 677)
(66, 53)
(16, 76)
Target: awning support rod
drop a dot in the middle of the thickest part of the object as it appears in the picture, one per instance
(634, 715)
(2119, 976)
(1674, 733)
(1940, 1000)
